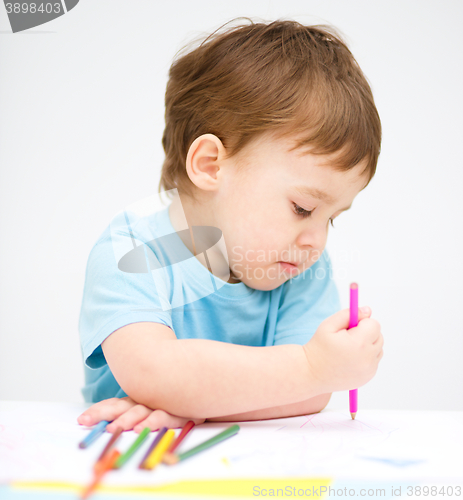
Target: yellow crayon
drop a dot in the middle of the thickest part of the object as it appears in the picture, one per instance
(161, 448)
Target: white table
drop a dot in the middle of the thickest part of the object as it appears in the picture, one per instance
(381, 454)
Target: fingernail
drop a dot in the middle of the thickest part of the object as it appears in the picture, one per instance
(85, 419)
(365, 309)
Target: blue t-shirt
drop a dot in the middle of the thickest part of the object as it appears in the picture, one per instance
(161, 281)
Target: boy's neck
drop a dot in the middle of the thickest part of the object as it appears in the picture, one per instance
(186, 214)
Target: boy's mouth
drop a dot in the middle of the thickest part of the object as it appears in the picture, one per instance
(289, 266)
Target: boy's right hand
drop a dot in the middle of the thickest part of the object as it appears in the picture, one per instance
(342, 359)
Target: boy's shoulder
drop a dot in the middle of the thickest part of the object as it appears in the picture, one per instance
(129, 229)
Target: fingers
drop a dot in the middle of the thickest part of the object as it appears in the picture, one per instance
(130, 418)
(108, 409)
(160, 418)
(379, 338)
(369, 329)
(340, 320)
(126, 413)
(379, 342)
(336, 322)
(364, 312)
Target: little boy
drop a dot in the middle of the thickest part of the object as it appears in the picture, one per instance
(221, 306)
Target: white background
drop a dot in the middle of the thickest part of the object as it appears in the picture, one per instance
(81, 120)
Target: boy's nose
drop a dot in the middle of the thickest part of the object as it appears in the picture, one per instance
(314, 237)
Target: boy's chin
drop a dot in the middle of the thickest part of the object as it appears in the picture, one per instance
(265, 284)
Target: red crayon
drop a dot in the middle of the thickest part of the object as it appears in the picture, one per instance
(110, 444)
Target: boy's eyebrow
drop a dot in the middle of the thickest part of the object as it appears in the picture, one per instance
(317, 193)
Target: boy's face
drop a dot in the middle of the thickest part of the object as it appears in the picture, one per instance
(261, 210)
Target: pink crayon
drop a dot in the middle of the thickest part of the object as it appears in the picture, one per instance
(353, 321)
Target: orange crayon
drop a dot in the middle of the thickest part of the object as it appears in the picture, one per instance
(104, 466)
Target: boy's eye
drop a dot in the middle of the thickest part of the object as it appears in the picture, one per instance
(301, 211)
(305, 213)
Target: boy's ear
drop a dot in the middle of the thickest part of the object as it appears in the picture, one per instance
(202, 161)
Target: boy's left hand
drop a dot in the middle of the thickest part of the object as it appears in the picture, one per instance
(126, 413)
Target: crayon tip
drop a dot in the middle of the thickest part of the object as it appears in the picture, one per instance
(353, 415)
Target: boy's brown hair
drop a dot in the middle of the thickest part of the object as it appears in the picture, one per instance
(283, 77)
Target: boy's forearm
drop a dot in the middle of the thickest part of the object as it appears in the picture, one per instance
(201, 378)
(312, 405)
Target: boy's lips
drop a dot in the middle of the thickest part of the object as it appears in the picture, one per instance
(289, 266)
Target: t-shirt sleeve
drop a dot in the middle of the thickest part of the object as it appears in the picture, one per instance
(305, 302)
(113, 298)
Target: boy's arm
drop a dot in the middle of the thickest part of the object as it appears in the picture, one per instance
(128, 414)
(200, 378)
(336, 359)
(313, 405)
